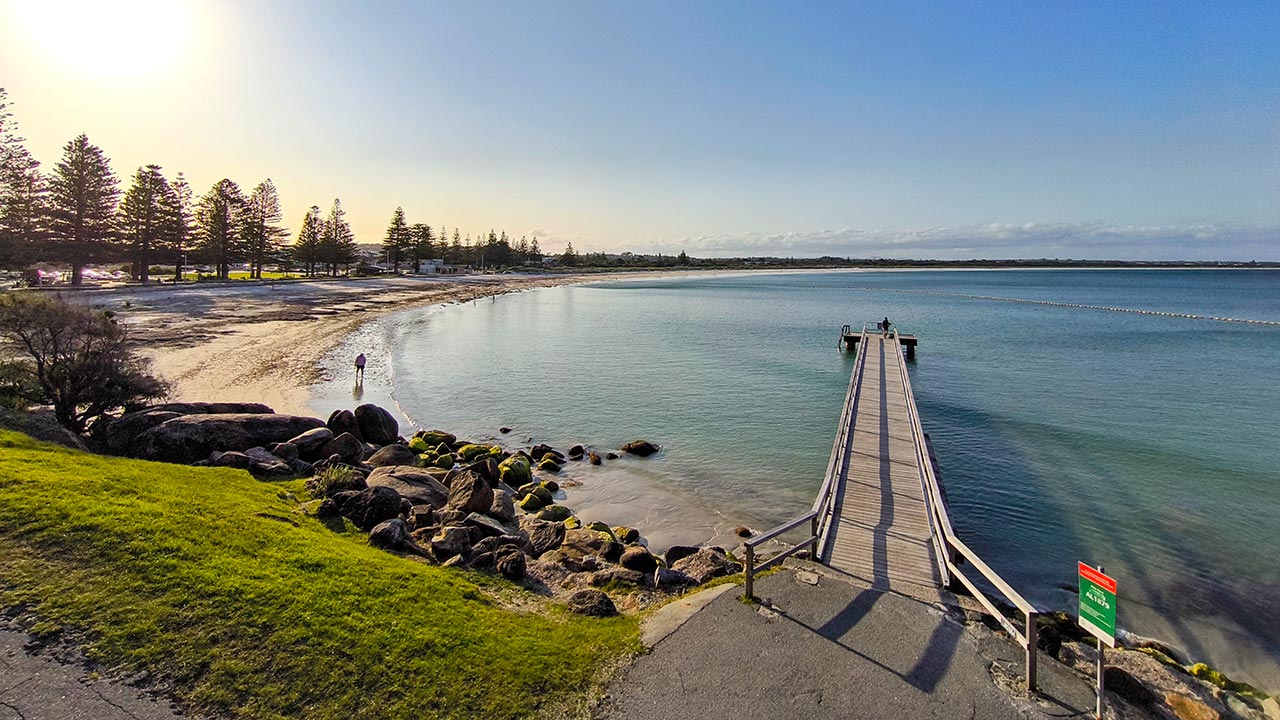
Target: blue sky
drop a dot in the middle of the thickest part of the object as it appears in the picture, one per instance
(896, 129)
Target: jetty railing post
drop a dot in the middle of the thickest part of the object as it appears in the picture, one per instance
(1032, 640)
(751, 568)
(813, 532)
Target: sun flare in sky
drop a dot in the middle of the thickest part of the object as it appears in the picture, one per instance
(122, 38)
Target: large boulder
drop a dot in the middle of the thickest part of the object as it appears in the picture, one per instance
(582, 542)
(189, 438)
(676, 553)
(377, 425)
(343, 421)
(511, 563)
(116, 435)
(486, 526)
(543, 536)
(394, 535)
(503, 507)
(310, 442)
(346, 446)
(515, 471)
(470, 493)
(414, 484)
(643, 448)
(393, 454)
(591, 602)
(638, 558)
(450, 541)
(706, 564)
(371, 507)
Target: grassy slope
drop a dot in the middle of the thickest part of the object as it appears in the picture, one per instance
(217, 581)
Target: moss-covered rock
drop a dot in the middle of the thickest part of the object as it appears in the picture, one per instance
(626, 534)
(572, 522)
(418, 445)
(525, 490)
(472, 451)
(436, 437)
(549, 465)
(531, 503)
(605, 531)
(543, 494)
(445, 461)
(515, 471)
(1208, 674)
(555, 513)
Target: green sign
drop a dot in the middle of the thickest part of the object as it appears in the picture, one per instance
(1098, 604)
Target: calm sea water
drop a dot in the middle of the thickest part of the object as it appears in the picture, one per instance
(1147, 444)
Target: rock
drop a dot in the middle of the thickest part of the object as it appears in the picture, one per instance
(449, 516)
(550, 485)
(422, 516)
(486, 468)
(343, 421)
(189, 438)
(345, 446)
(554, 513)
(742, 532)
(511, 563)
(549, 465)
(455, 561)
(288, 452)
(394, 454)
(394, 535)
(572, 522)
(327, 508)
(531, 503)
(302, 468)
(579, 543)
(436, 437)
(595, 458)
(486, 525)
(602, 528)
(310, 442)
(470, 493)
(492, 543)
(643, 448)
(474, 451)
(1271, 707)
(1188, 708)
(576, 452)
(543, 536)
(237, 460)
(503, 507)
(638, 558)
(415, 484)
(670, 580)
(626, 534)
(591, 602)
(270, 470)
(504, 429)
(611, 456)
(377, 425)
(484, 561)
(613, 577)
(706, 564)
(117, 435)
(451, 540)
(370, 507)
(539, 452)
(676, 553)
(515, 471)
(1123, 684)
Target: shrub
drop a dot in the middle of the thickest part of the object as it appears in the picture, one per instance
(70, 357)
(335, 478)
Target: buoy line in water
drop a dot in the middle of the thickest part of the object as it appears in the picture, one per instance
(1078, 306)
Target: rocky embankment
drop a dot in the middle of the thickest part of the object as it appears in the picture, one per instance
(431, 497)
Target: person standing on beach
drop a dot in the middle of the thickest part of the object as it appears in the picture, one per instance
(360, 367)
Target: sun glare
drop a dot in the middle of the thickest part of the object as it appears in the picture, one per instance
(107, 38)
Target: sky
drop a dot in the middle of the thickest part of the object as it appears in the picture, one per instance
(928, 130)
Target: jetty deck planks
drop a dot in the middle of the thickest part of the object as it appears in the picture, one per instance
(880, 528)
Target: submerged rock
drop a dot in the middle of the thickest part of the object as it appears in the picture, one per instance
(643, 448)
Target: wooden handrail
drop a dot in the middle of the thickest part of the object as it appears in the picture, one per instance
(945, 542)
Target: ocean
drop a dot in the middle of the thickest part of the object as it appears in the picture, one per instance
(1142, 442)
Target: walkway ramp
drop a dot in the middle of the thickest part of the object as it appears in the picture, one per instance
(879, 528)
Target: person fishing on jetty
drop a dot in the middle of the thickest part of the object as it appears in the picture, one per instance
(360, 367)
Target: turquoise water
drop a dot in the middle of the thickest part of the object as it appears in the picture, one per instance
(1144, 443)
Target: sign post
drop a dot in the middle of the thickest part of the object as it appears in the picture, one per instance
(1098, 614)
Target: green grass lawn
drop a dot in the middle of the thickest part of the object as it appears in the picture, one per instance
(253, 609)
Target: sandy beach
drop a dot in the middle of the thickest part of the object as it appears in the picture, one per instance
(262, 342)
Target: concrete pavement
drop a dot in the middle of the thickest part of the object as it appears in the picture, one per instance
(837, 649)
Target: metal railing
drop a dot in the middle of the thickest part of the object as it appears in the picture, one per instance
(819, 516)
(949, 549)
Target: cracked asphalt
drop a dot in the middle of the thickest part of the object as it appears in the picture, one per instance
(35, 687)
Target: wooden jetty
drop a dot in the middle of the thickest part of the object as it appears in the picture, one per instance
(880, 515)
